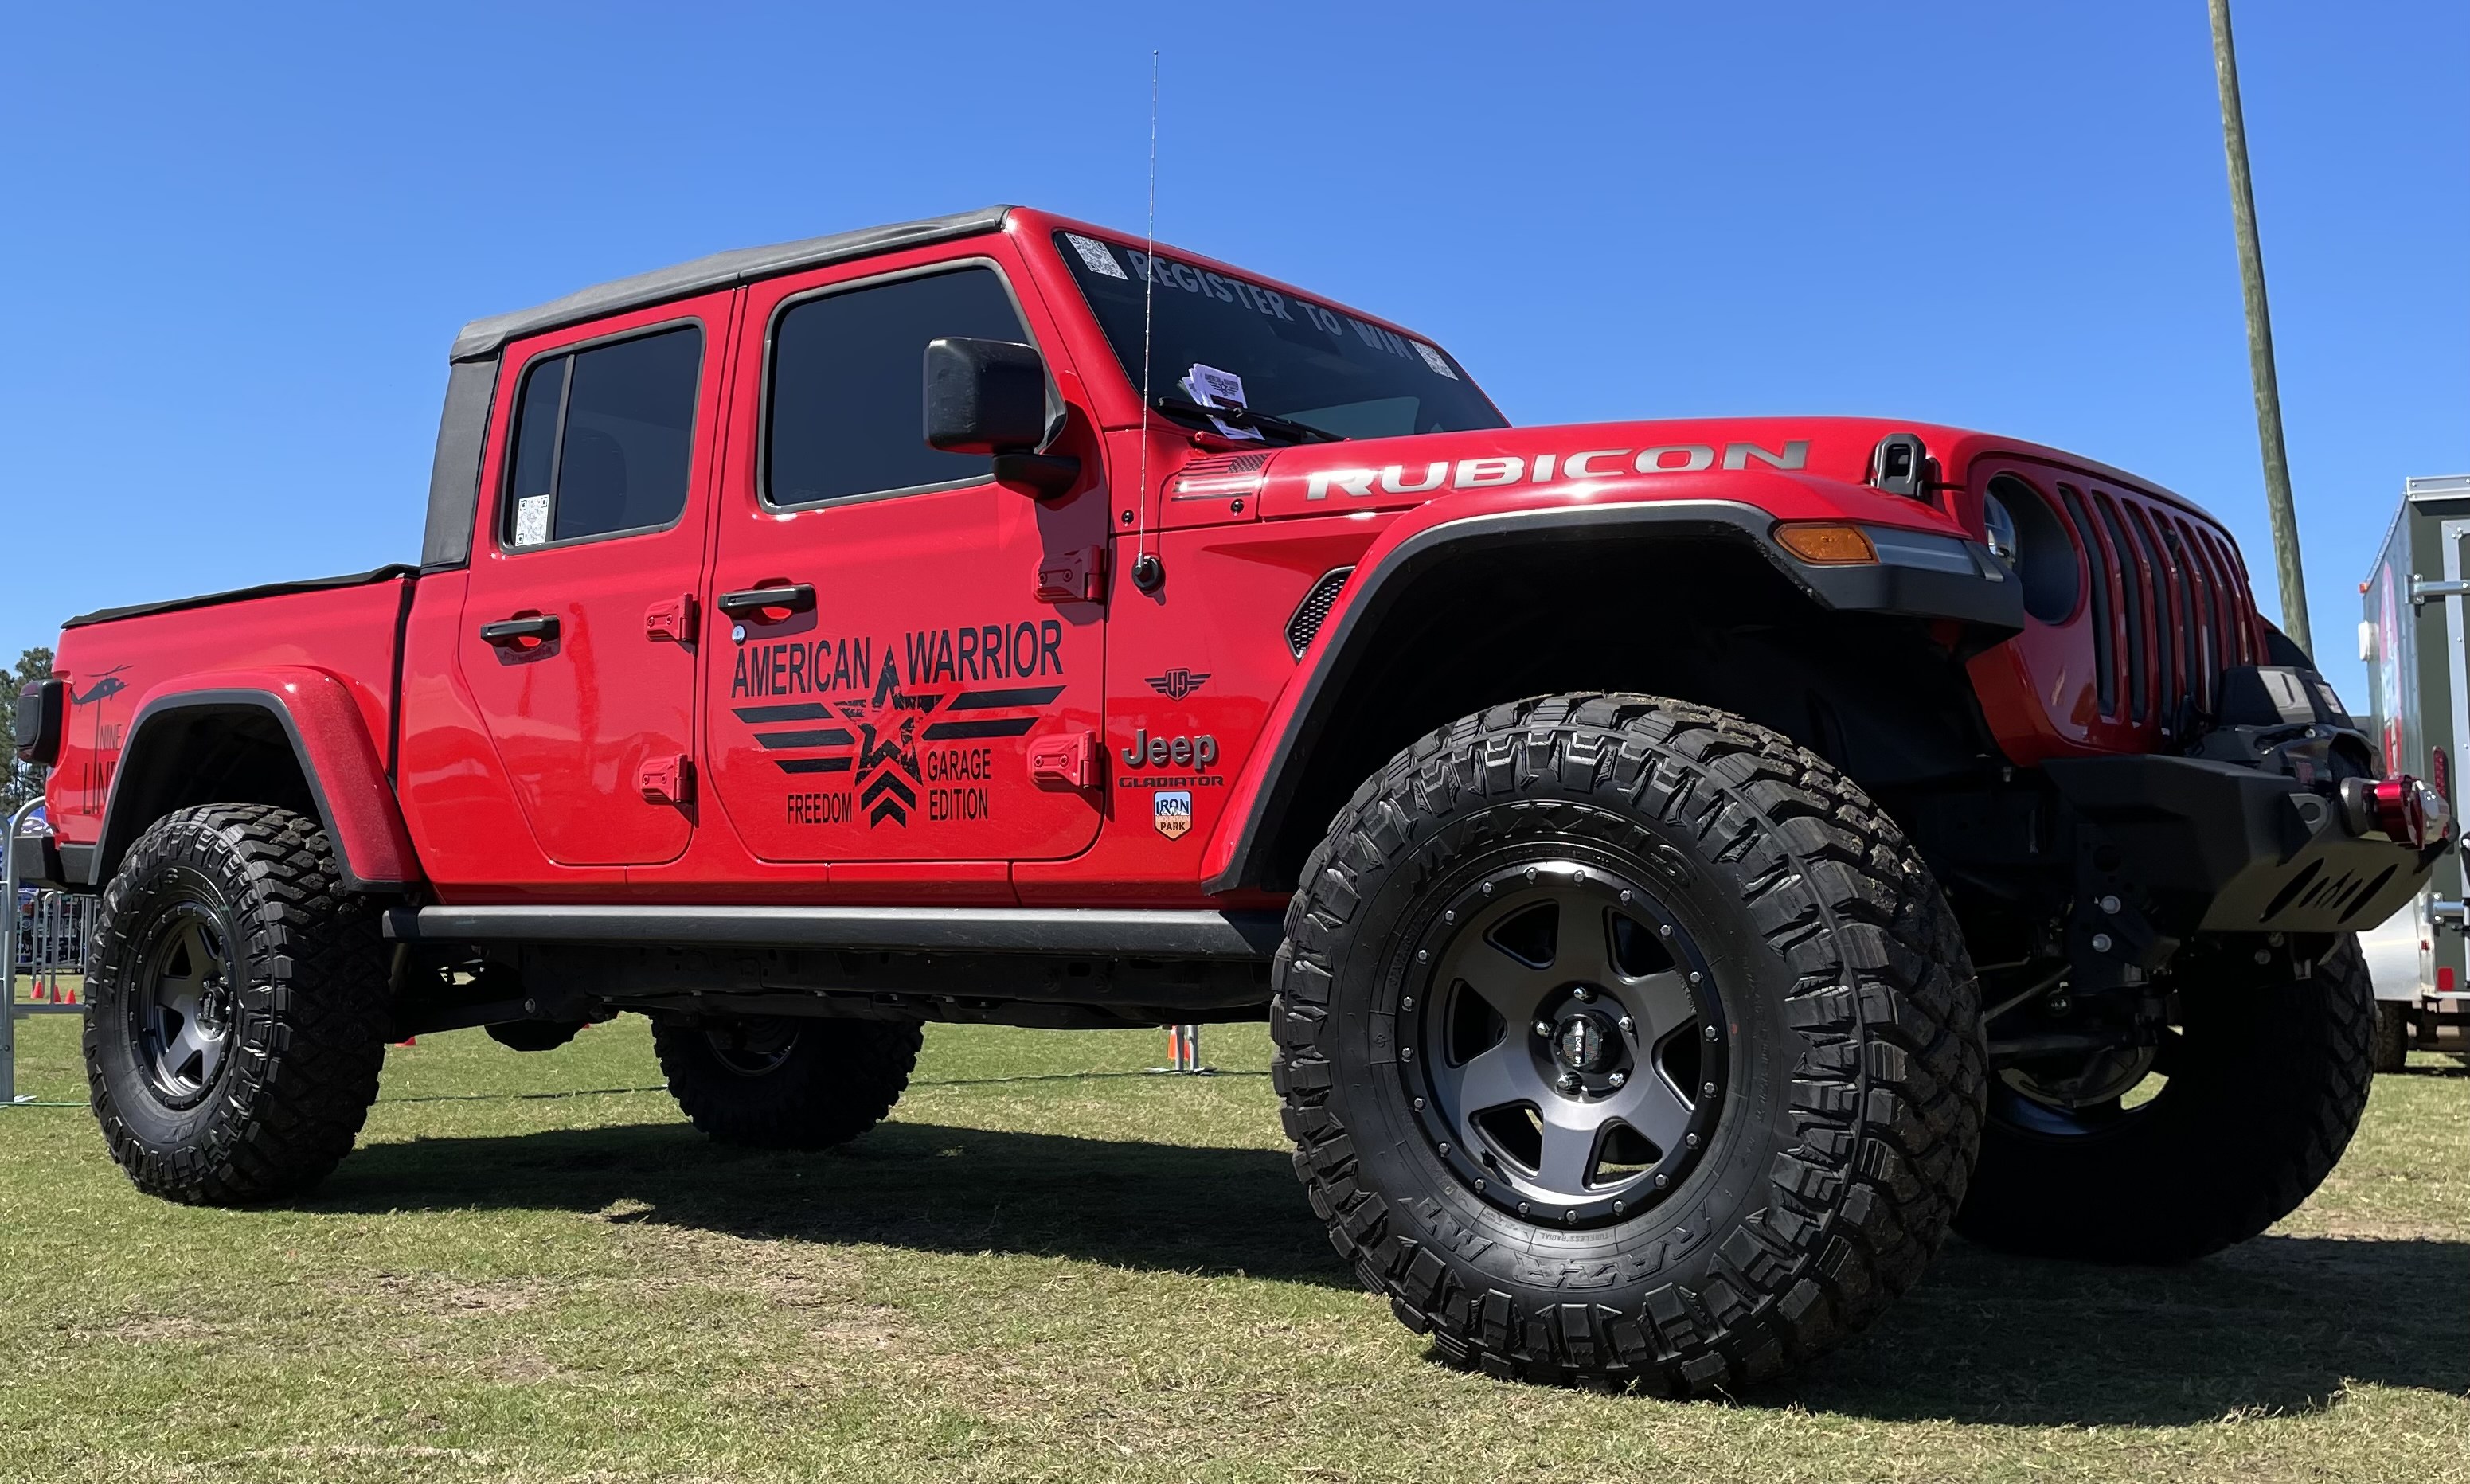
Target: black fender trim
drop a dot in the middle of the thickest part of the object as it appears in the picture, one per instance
(1111, 933)
(120, 828)
(1917, 574)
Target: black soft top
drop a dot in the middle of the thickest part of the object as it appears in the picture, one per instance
(485, 337)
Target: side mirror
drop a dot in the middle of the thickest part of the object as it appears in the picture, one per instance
(989, 397)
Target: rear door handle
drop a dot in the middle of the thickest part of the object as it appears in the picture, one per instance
(516, 632)
(755, 604)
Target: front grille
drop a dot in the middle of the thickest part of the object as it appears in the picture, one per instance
(2170, 608)
(1315, 608)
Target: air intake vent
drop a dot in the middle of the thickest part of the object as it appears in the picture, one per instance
(1315, 608)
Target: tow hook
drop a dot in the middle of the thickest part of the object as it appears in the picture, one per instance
(2402, 810)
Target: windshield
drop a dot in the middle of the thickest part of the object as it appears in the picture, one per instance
(1298, 362)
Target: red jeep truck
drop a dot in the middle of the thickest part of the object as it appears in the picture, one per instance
(1688, 866)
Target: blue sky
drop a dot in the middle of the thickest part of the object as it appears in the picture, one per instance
(239, 243)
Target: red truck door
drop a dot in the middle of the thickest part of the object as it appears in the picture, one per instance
(882, 700)
(578, 641)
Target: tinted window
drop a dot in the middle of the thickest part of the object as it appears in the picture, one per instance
(848, 400)
(604, 439)
(1299, 358)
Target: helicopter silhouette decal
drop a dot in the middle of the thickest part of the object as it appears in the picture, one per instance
(105, 687)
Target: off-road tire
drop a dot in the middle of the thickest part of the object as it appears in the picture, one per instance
(308, 1018)
(836, 1080)
(1856, 1058)
(2265, 1088)
(2392, 1035)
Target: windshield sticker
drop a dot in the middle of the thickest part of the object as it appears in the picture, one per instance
(1433, 358)
(531, 520)
(1212, 387)
(1094, 253)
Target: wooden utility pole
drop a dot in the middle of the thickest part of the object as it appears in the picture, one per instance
(2259, 339)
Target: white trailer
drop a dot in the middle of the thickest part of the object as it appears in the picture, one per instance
(2415, 640)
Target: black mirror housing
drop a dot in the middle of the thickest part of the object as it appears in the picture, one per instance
(985, 396)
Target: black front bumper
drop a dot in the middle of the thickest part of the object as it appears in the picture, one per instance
(2219, 847)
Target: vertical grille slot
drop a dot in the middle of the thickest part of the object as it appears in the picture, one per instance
(2169, 666)
(2102, 566)
(2137, 606)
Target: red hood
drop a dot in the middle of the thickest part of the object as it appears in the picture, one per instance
(1827, 458)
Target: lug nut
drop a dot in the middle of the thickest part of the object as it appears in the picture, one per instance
(1628, 1026)
(1618, 1079)
(1543, 1029)
(1582, 994)
(1569, 1082)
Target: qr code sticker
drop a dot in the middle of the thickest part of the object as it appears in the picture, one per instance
(1094, 253)
(1435, 359)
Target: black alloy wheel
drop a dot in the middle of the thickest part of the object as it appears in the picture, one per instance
(237, 1006)
(1571, 1042)
(1624, 1042)
(183, 1014)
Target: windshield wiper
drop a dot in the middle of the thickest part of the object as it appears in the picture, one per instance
(1245, 417)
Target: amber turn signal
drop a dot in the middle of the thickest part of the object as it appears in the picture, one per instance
(1826, 542)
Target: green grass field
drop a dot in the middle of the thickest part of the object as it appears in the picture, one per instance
(1051, 1267)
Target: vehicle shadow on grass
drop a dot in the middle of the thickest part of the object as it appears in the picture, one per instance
(2278, 1325)
(1158, 1207)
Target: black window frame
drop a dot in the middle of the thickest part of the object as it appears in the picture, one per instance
(502, 520)
(771, 365)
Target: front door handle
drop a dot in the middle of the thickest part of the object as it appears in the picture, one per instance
(521, 632)
(768, 605)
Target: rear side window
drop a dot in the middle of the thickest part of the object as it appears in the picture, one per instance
(845, 414)
(604, 438)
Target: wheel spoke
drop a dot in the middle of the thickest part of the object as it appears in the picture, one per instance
(1570, 1138)
(1584, 952)
(1512, 988)
(1662, 1002)
(1650, 1105)
(1503, 1074)
(193, 1046)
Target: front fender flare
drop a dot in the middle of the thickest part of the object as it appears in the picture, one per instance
(1918, 574)
(344, 771)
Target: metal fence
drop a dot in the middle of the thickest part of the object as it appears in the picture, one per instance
(45, 935)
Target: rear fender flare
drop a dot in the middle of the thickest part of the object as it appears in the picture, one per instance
(340, 763)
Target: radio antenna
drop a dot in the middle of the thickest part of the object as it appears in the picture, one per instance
(1148, 573)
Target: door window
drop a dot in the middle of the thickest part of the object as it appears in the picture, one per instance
(843, 418)
(604, 437)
